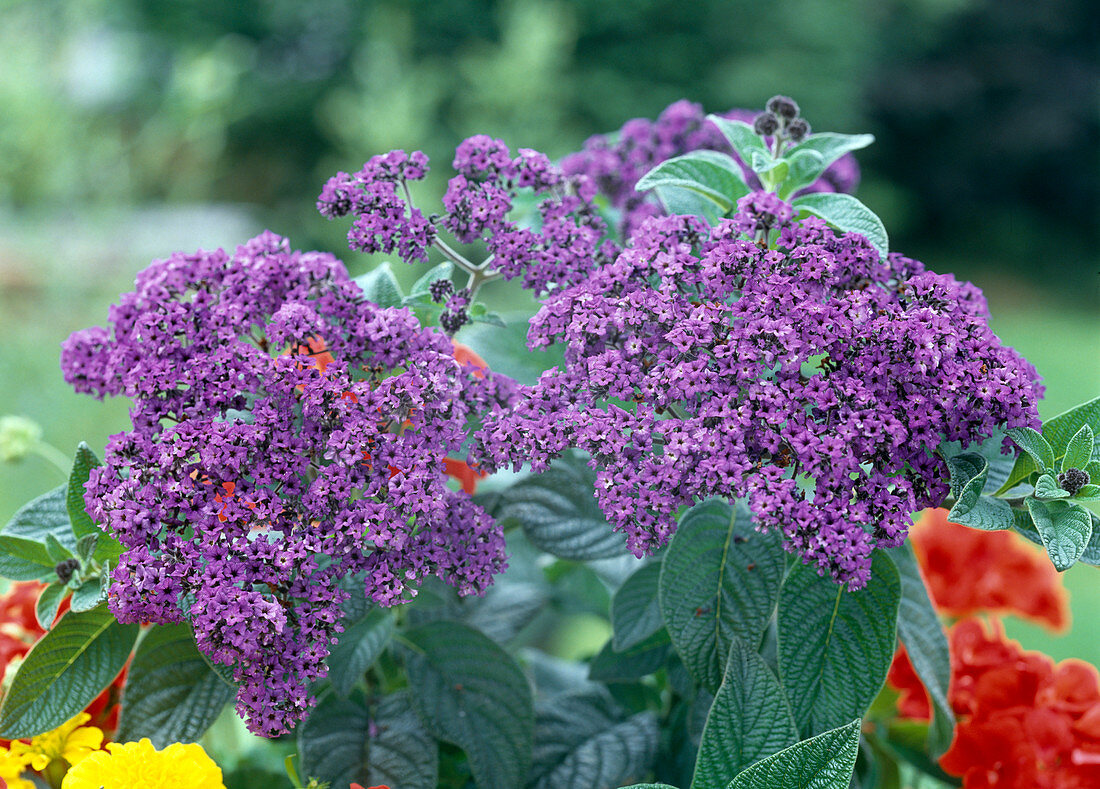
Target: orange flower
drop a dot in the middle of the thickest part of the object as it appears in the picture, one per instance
(969, 571)
(360, 786)
(1023, 722)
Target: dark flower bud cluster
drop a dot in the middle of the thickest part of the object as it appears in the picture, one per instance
(455, 314)
(813, 378)
(440, 289)
(288, 435)
(65, 569)
(1072, 480)
(781, 120)
(616, 162)
(560, 251)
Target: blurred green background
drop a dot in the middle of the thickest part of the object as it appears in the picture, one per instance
(132, 128)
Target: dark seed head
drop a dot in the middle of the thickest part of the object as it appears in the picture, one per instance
(65, 569)
(766, 124)
(1072, 480)
(783, 106)
(797, 129)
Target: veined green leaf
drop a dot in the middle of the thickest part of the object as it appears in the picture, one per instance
(740, 135)
(559, 513)
(748, 721)
(835, 646)
(64, 671)
(635, 608)
(922, 635)
(358, 647)
(719, 580)
(47, 514)
(1065, 528)
(826, 761)
(83, 464)
(424, 284)
(469, 691)
(171, 694)
(1057, 432)
(24, 560)
(714, 175)
(583, 740)
(847, 214)
(380, 286)
(1079, 449)
(1046, 487)
(344, 741)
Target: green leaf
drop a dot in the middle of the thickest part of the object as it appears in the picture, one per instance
(342, 741)
(649, 786)
(24, 560)
(470, 692)
(1090, 555)
(1065, 528)
(922, 634)
(64, 671)
(47, 514)
(491, 318)
(380, 286)
(1057, 432)
(56, 551)
(359, 646)
(1087, 493)
(826, 761)
(712, 174)
(424, 284)
(171, 693)
(635, 609)
(968, 477)
(632, 663)
(1046, 487)
(1035, 445)
(847, 214)
(1000, 465)
(86, 545)
(83, 463)
(559, 514)
(749, 720)
(805, 167)
(835, 646)
(89, 594)
(719, 580)
(584, 740)
(741, 136)
(831, 146)
(1079, 449)
(685, 202)
(49, 601)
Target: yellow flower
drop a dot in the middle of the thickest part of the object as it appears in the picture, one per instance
(12, 766)
(137, 765)
(70, 741)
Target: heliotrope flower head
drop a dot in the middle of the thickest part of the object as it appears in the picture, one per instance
(814, 378)
(616, 162)
(287, 435)
(559, 248)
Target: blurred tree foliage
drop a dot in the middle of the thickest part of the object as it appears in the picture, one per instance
(977, 103)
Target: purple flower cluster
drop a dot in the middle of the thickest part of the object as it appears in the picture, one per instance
(616, 162)
(566, 242)
(811, 377)
(287, 435)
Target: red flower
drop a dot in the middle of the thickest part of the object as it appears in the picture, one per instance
(1023, 722)
(968, 571)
